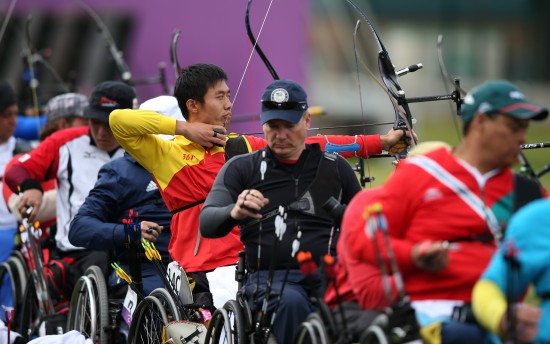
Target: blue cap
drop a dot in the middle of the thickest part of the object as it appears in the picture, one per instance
(285, 100)
(500, 97)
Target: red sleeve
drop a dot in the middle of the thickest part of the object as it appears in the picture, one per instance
(348, 146)
(41, 164)
(255, 143)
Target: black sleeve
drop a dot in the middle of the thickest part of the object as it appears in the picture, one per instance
(215, 218)
(350, 184)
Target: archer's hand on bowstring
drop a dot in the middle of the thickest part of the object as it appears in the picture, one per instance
(249, 203)
(150, 230)
(206, 135)
(30, 198)
(397, 140)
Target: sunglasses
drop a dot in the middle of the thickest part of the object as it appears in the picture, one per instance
(283, 106)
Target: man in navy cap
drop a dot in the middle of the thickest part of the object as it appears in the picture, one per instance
(277, 195)
(73, 157)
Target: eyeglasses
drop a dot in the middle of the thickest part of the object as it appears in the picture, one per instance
(284, 106)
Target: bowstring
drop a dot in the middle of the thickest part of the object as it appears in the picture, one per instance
(252, 53)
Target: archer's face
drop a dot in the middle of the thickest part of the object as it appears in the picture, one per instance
(216, 108)
(285, 139)
(102, 135)
(503, 136)
(8, 122)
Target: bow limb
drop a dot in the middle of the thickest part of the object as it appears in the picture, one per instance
(7, 19)
(447, 79)
(122, 66)
(254, 48)
(33, 81)
(403, 116)
(255, 42)
(174, 53)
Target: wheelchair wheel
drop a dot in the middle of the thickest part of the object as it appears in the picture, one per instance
(236, 321)
(9, 294)
(307, 334)
(19, 270)
(89, 313)
(13, 281)
(148, 322)
(327, 319)
(28, 315)
(219, 329)
(172, 311)
(374, 334)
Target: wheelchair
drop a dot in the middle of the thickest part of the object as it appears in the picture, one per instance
(156, 317)
(163, 314)
(89, 307)
(396, 326)
(233, 322)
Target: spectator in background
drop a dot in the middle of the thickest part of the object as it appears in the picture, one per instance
(62, 111)
(73, 157)
(9, 146)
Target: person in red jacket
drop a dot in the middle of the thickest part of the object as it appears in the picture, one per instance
(445, 226)
(63, 111)
(73, 158)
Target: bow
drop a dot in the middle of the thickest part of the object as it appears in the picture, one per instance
(403, 116)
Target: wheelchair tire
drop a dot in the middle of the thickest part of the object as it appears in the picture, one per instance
(28, 316)
(219, 329)
(148, 322)
(89, 313)
(374, 334)
(306, 334)
(172, 311)
(19, 269)
(236, 321)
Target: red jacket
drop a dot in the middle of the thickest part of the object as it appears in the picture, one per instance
(418, 207)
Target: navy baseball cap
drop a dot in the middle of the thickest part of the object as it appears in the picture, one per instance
(285, 100)
(108, 96)
(500, 97)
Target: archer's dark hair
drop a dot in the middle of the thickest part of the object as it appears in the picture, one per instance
(193, 83)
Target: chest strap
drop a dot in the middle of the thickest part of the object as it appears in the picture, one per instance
(185, 207)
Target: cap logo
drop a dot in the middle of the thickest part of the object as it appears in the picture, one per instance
(279, 95)
(469, 99)
(517, 95)
(106, 102)
(485, 107)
